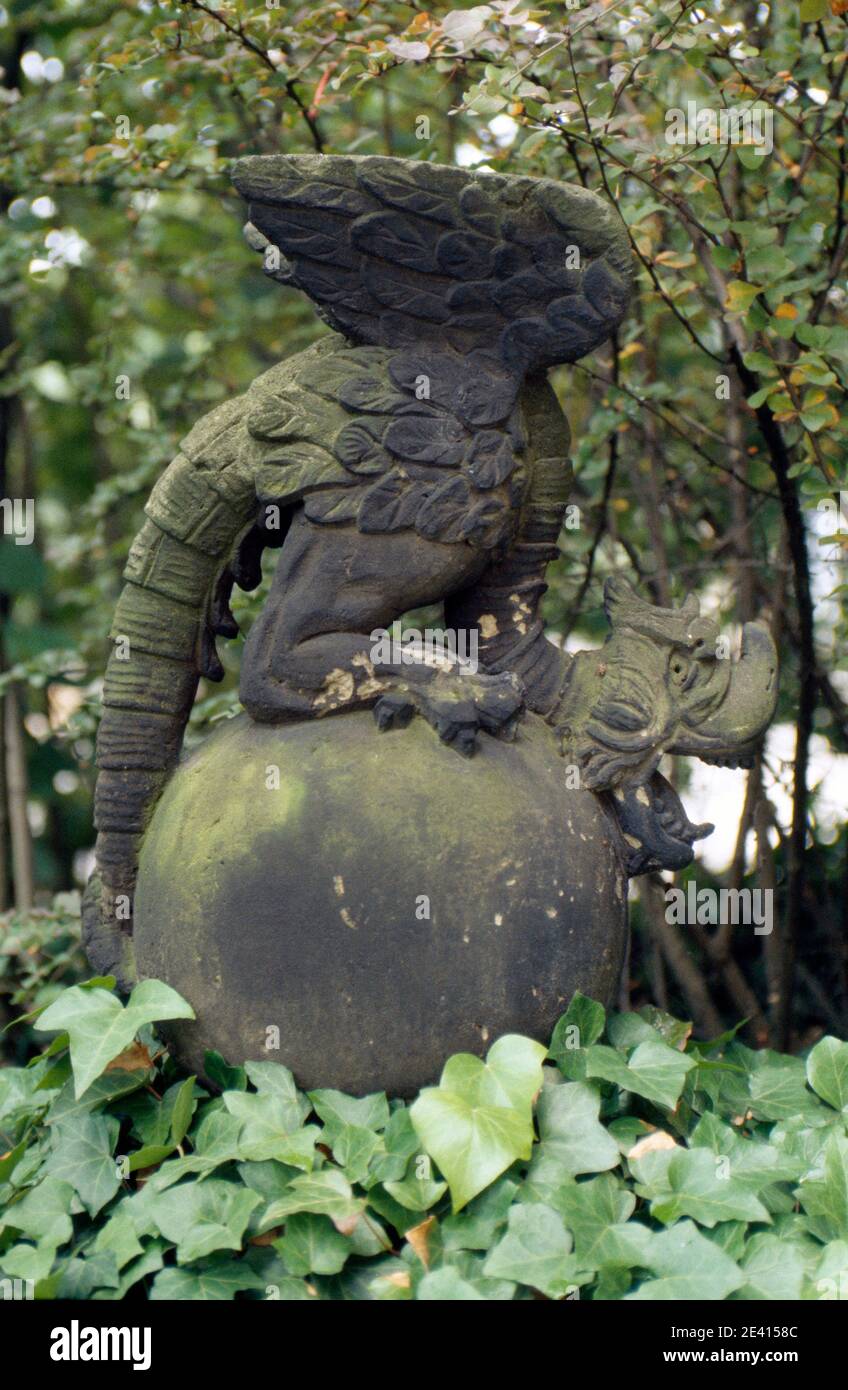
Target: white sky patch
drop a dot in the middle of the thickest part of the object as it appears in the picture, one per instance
(717, 794)
(38, 69)
(504, 129)
(32, 66)
(469, 156)
(141, 415)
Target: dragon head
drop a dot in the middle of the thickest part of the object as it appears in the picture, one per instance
(662, 683)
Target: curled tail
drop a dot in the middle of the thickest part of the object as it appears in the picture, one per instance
(198, 539)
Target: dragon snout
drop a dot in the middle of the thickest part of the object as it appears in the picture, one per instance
(729, 734)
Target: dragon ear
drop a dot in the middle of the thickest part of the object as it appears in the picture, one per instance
(396, 252)
(690, 607)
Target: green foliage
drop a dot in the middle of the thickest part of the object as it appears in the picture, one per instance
(99, 1027)
(40, 954)
(670, 1170)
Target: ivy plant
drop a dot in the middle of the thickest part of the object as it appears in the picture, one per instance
(627, 1161)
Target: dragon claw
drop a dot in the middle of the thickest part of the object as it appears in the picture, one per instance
(457, 708)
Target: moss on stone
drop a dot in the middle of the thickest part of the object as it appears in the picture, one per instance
(299, 908)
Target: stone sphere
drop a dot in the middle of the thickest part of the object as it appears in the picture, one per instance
(360, 905)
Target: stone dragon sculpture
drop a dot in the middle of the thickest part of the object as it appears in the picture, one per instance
(416, 454)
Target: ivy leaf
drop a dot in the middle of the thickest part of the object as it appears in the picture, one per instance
(580, 1026)
(475, 1227)
(269, 1179)
(590, 1210)
(478, 1120)
(447, 1286)
(778, 1087)
(571, 1135)
(10, 1160)
(221, 1074)
(536, 1250)
(33, 1262)
(690, 1182)
(654, 1070)
(82, 1156)
(264, 1133)
(353, 1148)
(149, 1156)
(312, 1245)
(827, 1071)
(687, 1266)
(183, 1109)
(271, 1078)
(336, 1109)
(203, 1217)
(99, 1026)
(401, 1142)
(44, 1212)
(672, 1030)
(107, 1087)
(825, 1198)
(216, 1141)
(623, 1246)
(214, 1280)
(328, 1193)
(416, 1194)
(119, 1238)
(775, 1268)
(148, 1263)
(80, 1277)
(751, 1162)
(830, 1278)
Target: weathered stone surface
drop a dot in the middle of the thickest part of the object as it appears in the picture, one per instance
(296, 908)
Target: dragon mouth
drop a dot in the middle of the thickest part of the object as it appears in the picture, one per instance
(655, 830)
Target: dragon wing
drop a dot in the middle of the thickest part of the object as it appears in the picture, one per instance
(528, 272)
(346, 431)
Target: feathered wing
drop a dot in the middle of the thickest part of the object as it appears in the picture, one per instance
(527, 273)
(454, 285)
(383, 439)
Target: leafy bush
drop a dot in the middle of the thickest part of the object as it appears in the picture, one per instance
(40, 954)
(626, 1162)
